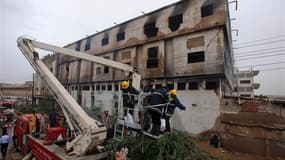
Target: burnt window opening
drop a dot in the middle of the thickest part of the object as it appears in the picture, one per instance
(86, 88)
(66, 68)
(207, 10)
(93, 87)
(109, 87)
(193, 85)
(157, 86)
(78, 45)
(88, 44)
(174, 22)
(121, 36)
(92, 100)
(170, 86)
(103, 87)
(105, 41)
(245, 81)
(150, 30)
(152, 57)
(245, 95)
(98, 70)
(98, 87)
(196, 57)
(116, 87)
(181, 86)
(106, 68)
(211, 84)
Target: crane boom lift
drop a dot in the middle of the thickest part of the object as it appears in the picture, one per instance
(92, 132)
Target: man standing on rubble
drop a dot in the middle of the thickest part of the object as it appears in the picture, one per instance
(173, 103)
(157, 102)
(129, 93)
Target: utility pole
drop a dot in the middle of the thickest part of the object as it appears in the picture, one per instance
(33, 94)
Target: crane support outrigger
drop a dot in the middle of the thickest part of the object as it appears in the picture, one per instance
(92, 132)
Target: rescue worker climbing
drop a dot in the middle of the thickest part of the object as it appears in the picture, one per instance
(173, 103)
(129, 93)
(157, 102)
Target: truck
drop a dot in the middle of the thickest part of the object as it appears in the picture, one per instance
(88, 133)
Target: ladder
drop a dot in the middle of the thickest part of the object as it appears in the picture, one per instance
(120, 125)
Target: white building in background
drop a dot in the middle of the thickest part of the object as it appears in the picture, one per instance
(245, 83)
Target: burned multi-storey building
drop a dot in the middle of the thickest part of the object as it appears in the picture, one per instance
(185, 45)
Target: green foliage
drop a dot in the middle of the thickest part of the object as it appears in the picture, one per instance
(176, 145)
(46, 104)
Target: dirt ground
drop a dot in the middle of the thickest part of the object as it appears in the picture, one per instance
(13, 155)
(221, 153)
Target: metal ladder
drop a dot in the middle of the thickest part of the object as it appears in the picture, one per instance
(120, 123)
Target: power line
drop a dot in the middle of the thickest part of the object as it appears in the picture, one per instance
(259, 57)
(265, 64)
(259, 50)
(258, 44)
(259, 53)
(269, 38)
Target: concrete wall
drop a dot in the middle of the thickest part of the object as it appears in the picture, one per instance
(203, 108)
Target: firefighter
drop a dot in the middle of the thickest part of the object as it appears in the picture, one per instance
(173, 103)
(157, 102)
(129, 93)
(149, 87)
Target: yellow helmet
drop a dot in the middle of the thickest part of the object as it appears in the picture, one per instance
(174, 92)
(125, 84)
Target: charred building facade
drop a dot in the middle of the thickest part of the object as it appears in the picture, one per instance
(185, 45)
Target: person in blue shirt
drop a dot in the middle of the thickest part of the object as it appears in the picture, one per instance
(4, 143)
(52, 118)
(170, 108)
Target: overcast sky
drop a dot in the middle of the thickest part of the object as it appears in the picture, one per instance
(61, 22)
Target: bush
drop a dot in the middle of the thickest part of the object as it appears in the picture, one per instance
(176, 145)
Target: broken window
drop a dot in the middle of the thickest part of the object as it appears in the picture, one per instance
(98, 70)
(152, 57)
(196, 57)
(245, 95)
(245, 81)
(109, 87)
(181, 86)
(121, 36)
(207, 10)
(195, 42)
(103, 87)
(193, 85)
(106, 68)
(211, 84)
(116, 87)
(92, 100)
(88, 44)
(150, 30)
(85, 88)
(77, 47)
(97, 87)
(105, 41)
(174, 22)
